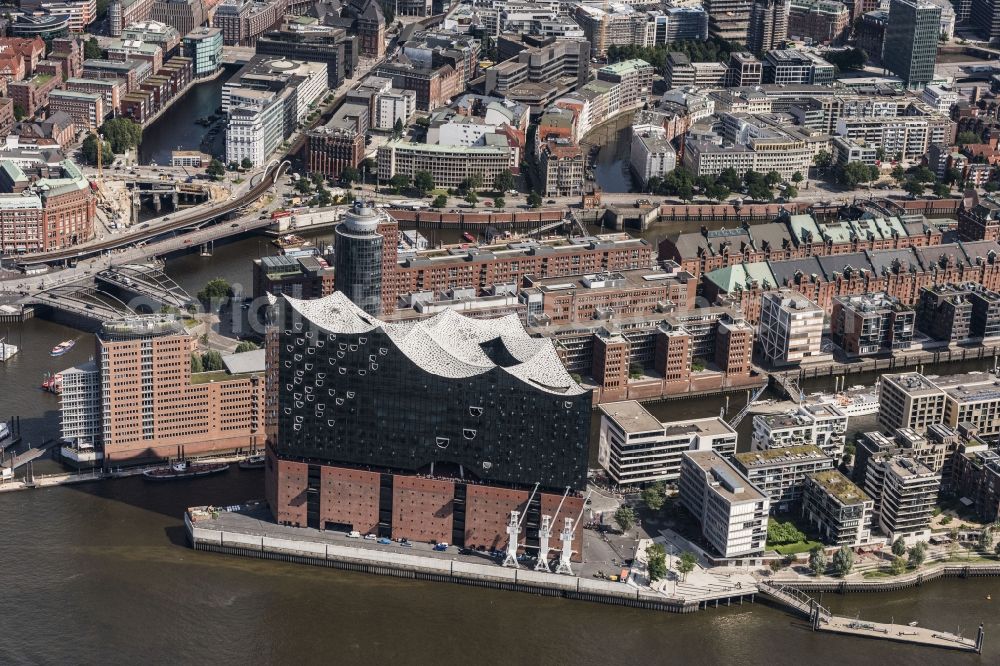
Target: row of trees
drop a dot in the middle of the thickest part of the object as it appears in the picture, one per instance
(757, 186)
(656, 562)
(210, 361)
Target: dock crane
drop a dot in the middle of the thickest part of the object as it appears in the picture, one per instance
(544, 532)
(514, 530)
(569, 530)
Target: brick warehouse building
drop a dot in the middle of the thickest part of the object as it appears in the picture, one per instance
(420, 429)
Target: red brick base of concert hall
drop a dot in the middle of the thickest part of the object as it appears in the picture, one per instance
(418, 508)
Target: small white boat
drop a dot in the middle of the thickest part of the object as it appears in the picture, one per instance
(7, 350)
(62, 347)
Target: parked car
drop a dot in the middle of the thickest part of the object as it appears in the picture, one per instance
(370, 537)
(384, 541)
(440, 546)
(354, 534)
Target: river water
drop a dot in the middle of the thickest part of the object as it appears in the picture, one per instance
(100, 573)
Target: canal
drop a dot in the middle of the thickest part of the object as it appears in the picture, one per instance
(100, 572)
(181, 127)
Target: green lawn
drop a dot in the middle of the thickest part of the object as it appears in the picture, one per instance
(793, 548)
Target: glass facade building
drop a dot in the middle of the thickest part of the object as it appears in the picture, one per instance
(911, 39)
(204, 47)
(358, 257)
(447, 396)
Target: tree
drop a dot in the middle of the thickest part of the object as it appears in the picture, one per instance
(471, 198)
(215, 169)
(504, 181)
(215, 289)
(499, 202)
(233, 165)
(924, 175)
(349, 175)
(772, 178)
(625, 518)
(440, 201)
(686, 563)
(654, 496)
(897, 566)
(899, 547)
(212, 360)
(423, 121)
(369, 165)
(791, 192)
(817, 560)
(397, 128)
(759, 191)
(823, 159)
(797, 177)
(854, 173)
(92, 49)
(89, 150)
(399, 182)
(967, 137)
(847, 59)
(986, 539)
(19, 112)
(941, 190)
(917, 554)
(914, 187)
(730, 178)
(843, 561)
(423, 182)
(246, 346)
(196, 364)
(716, 191)
(898, 173)
(303, 186)
(656, 562)
(122, 133)
(534, 200)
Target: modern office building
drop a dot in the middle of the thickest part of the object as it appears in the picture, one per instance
(728, 19)
(934, 448)
(313, 42)
(86, 109)
(651, 154)
(636, 448)
(905, 493)
(870, 324)
(768, 25)
(793, 67)
(149, 403)
(911, 39)
(984, 15)
(431, 430)
(839, 510)
(791, 328)
(732, 512)
(304, 277)
(448, 165)
(909, 400)
(780, 473)
(204, 46)
(340, 143)
(973, 403)
(359, 257)
(819, 21)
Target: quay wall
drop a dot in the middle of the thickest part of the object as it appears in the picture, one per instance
(903, 582)
(402, 565)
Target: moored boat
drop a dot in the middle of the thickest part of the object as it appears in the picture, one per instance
(53, 383)
(183, 469)
(254, 461)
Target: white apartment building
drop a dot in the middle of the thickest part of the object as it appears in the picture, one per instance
(911, 136)
(393, 105)
(80, 405)
(449, 165)
(652, 154)
(780, 473)
(905, 493)
(733, 513)
(840, 511)
(790, 329)
(939, 97)
(635, 447)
